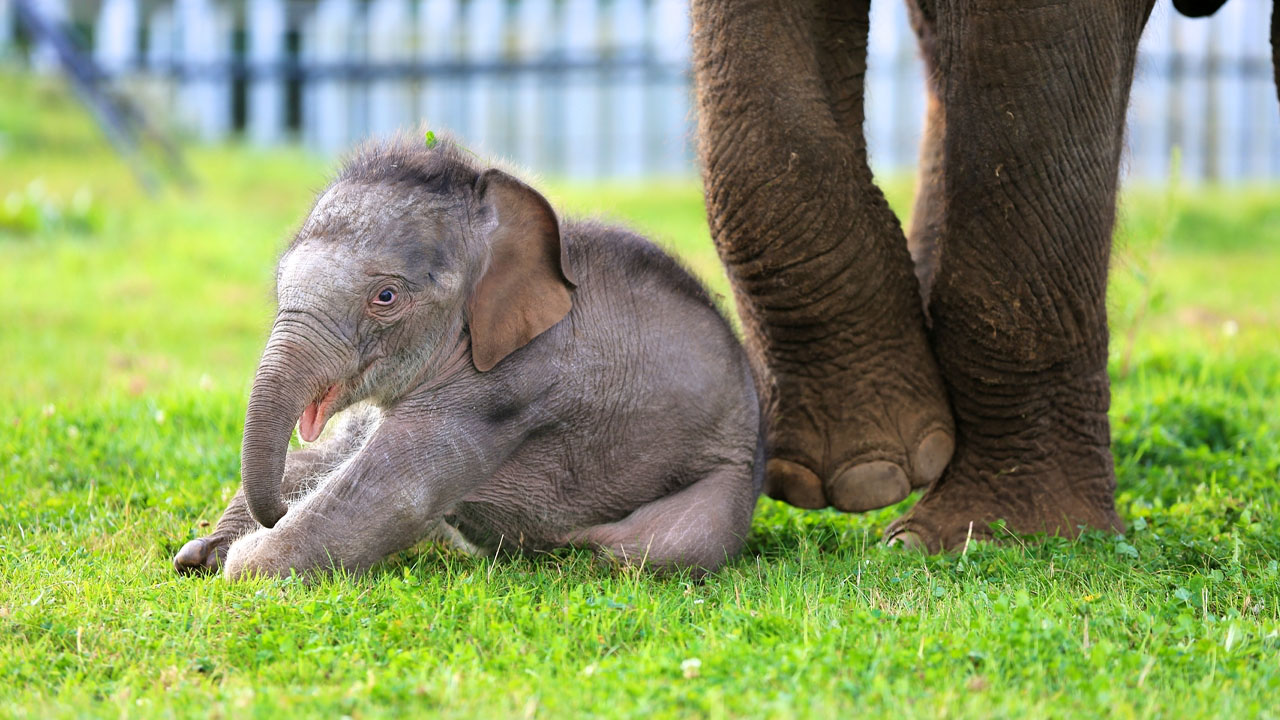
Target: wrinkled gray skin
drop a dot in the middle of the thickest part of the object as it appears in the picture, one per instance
(629, 425)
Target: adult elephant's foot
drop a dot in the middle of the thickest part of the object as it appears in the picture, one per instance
(1052, 475)
(862, 432)
(964, 504)
(1025, 201)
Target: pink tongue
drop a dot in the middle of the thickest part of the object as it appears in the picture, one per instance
(315, 415)
(311, 422)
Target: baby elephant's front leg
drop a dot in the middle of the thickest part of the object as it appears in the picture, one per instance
(303, 469)
(383, 500)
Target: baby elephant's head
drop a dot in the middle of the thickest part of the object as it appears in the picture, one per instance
(410, 255)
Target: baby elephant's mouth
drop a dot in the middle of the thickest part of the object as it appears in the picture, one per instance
(316, 414)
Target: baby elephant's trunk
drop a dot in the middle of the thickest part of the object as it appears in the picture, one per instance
(282, 388)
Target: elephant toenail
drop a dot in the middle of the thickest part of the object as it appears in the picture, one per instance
(869, 486)
(931, 457)
(795, 484)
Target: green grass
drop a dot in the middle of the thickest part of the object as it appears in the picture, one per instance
(130, 330)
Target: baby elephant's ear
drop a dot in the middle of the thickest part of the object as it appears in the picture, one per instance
(526, 288)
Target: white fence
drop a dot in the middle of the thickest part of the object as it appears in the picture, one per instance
(593, 88)
(1203, 86)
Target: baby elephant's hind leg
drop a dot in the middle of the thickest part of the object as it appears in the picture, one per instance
(303, 470)
(700, 527)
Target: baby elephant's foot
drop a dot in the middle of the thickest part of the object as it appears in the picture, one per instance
(697, 529)
(203, 555)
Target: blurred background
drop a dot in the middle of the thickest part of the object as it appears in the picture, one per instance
(155, 156)
(583, 89)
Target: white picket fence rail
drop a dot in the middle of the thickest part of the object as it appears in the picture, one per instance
(594, 88)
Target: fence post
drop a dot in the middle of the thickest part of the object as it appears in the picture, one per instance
(266, 26)
(440, 96)
(6, 27)
(204, 48)
(308, 82)
(1144, 132)
(581, 41)
(327, 110)
(483, 25)
(669, 102)
(625, 109)
(909, 93)
(1257, 100)
(115, 41)
(1268, 132)
(1193, 37)
(44, 58)
(390, 32)
(880, 96)
(159, 57)
(358, 84)
(1244, 41)
(1173, 91)
(1211, 166)
(534, 21)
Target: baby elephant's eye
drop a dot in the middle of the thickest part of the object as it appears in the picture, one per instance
(386, 297)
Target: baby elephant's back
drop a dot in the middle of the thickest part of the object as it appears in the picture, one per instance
(648, 439)
(666, 380)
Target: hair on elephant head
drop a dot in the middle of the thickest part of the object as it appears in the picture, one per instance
(404, 257)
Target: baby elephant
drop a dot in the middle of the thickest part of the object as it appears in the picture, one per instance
(528, 381)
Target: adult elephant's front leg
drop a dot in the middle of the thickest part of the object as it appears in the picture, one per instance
(1035, 100)
(818, 261)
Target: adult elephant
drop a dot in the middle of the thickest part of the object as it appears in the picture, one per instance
(993, 393)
